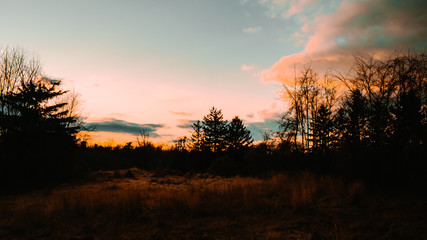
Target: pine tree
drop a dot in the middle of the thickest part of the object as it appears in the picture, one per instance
(197, 136)
(238, 136)
(214, 131)
(322, 128)
(31, 112)
(37, 135)
(355, 108)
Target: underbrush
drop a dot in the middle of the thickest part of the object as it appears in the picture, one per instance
(107, 206)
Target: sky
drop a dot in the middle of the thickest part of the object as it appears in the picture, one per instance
(159, 65)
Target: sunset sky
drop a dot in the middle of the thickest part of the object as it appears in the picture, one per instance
(159, 65)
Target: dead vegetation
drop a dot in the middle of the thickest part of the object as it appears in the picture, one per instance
(135, 204)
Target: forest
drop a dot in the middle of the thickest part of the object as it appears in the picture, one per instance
(366, 127)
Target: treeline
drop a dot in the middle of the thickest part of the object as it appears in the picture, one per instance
(370, 124)
(214, 134)
(382, 103)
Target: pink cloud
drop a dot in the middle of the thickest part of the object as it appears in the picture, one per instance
(245, 67)
(297, 6)
(286, 8)
(267, 114)
(181, 113)
(331, 40)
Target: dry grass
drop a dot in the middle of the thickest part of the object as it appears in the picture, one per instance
(105, 208)
(355, 191)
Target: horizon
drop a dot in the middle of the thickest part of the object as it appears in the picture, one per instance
(162, 65)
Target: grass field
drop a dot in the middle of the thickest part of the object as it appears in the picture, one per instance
(135, 204)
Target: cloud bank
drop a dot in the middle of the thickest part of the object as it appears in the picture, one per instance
(378, 27)
(120, 126)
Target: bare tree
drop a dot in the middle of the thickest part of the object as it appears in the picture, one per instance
(16, 66)
(181, 143)
(143, 138)
(304, 102)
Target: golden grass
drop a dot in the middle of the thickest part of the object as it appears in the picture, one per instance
(106, 206)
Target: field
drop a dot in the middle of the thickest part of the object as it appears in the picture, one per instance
(166, 204)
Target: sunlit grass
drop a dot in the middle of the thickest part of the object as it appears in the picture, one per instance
(107, 206)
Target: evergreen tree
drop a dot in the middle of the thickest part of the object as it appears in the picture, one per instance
(197, 136)
(214, 131)
(322, 128)
(238, 136)
(408, 122)
(355, 118)
(37, 134)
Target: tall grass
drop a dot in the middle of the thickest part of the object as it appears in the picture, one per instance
(64, 212)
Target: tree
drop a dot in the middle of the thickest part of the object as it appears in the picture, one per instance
(181, 144)
(15, 67)
(197, 136)
(322, 128)
(355, 118)
(143, 139)
(238, 136)
(409, 126)
(37, 132)
(214, 131)
(37, 136)
(30, 112)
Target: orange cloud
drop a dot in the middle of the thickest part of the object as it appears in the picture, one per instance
(377, 28)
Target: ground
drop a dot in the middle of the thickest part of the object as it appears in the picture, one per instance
(166, 204)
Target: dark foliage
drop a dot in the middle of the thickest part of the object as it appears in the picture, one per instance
(37, 135)
(214, 131)
(238, 137)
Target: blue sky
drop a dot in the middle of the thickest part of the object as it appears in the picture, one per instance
(164, 63)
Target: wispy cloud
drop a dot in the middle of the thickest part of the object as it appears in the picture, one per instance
(297, 6)
(245, 67)
(252, 29)
(121, 126)
(181, 113)
(267, 113)
(185, 123)
(284, 8)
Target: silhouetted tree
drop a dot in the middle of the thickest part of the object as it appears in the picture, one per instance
(197, 136)
(37, 135)
(409, 125)
(29, 110)
(354, 118)
(181, 144)
(214, 131)
(238, 136)
(322, 129)
(37, 127)
(15, 67)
